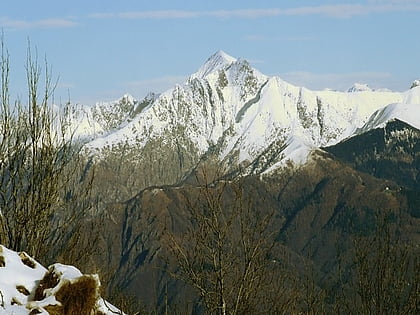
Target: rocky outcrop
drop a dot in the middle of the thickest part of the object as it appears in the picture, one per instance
(26, 287)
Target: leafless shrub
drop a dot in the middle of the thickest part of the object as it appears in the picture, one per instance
(227, 255)
(42, 184)
(387, 273)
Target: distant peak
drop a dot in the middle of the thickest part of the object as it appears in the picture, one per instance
(126, 99)
(215, 62)
(223, 56)
(415, 83)
(359, 87)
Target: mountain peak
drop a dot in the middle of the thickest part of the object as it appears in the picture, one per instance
(127, 98)
(359, 87)
(415, 83)
(215, 62)
(222, 54)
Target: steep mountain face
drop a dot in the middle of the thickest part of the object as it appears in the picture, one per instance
(387, 146)
(232, 115)
(317, 208)
(390, 152)
(103, 117)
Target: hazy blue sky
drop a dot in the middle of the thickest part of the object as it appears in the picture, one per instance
(102, 49)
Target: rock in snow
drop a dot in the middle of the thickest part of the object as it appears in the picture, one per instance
(415, 83)
(26, 287)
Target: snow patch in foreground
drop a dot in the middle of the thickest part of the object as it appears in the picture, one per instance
(26, 286)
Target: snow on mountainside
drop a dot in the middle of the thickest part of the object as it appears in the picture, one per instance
(415, 84)
(26, 287)
(412, 96)
(230, 108)
(214, 63)
(103, 117)
(408, 111)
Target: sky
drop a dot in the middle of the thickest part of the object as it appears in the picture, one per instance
(101, 49)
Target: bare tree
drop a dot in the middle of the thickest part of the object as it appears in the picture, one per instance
(227, 255)
(387, 273)
(41, 170)
(380, 272)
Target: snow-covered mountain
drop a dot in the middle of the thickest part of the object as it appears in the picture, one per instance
(409, 113)
(104, 117)
(359, 87)
(237, 115)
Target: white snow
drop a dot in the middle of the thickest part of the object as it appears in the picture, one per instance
(15, 274)
(296, 151)
(216, 62)
(17, 277)
(412, 96)
(415, 83)
(359, 87)
(409, 113)
(228, 100)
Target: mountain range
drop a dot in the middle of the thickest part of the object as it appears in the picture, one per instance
(328, 180)
(230, 113)
(328, 165)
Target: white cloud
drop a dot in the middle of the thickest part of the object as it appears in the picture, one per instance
(394, 1)
(339, 81)
(244, 13)
(335, 11)
(55, 23)
(163, 14)
(44, 23)
(263, 38)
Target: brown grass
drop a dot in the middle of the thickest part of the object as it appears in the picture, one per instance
(22, 290)
(50, 280)
(54, 309)
(2, 261)
(26, 260)
(15, 301)
(79, 297)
